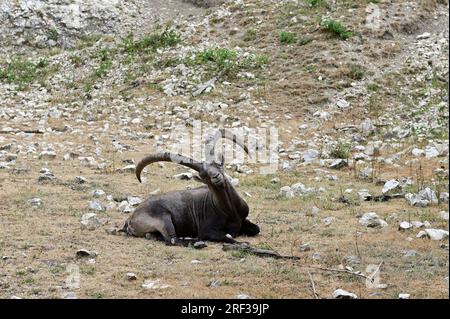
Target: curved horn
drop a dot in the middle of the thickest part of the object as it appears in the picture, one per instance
(167, 157)
(210, 143)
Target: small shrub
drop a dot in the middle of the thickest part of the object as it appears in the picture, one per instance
(152, 42)
(316, 3)
(304, 40)
(250, 35)
(341, 150)
(288, 37)
(336, 28)
(356, 71)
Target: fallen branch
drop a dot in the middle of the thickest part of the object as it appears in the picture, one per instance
(343, 271)
(313, 286)
(256, 251)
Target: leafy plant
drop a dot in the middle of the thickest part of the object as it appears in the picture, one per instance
(337, 28)
(340, 150)
(287, 37)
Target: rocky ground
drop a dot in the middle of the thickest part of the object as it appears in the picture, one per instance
(357, 91)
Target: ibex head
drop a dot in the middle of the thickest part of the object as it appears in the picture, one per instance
(210, 172)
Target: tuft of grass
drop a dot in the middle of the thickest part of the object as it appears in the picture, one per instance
(316, 3)
(304, 40)
(149, 43)
(287, 37)
(223, 58)
(356, 71)
(341, 150)
(336, 28)
(52, 34)
(250, 35)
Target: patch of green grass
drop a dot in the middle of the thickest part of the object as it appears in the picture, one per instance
(22, 72)
(149, 43)
(21, 272)
(87, 41)
(316, 3)
(341, 150)
(223, 58)
(288, 37)
(336, 28)
(52, 34)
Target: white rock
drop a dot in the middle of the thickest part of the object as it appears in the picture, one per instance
(125, 207)
(98, 193)
(287, 192)
(372, 220)
(36, 202)
(433, 234)
(424, 35)
(47, 155)
(404, 296)
(443, 215)
(156, 284)
(417, 152)
(90, 221)
(342, 104)
(97, 206)
(342, 294)
(314, 211)
(431, 152)
(363, 194)
(134, 200)
(391, 186)
(243, 296)
(310, 155)
(405, 226)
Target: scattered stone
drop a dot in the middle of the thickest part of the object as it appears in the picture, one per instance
(47, 155)
(131, 276)
(155, 284)
(364, 194)
(200, 245)
(305, 247)
(98, 193)
(342, 294)
(423, 36)
(287, 192)
(90, 221)
(83, 253)
(404, 296)
(214, 284)
(275, 180)
(409, 253)
(433, 234)
(46, 175)
(69, 295)
(96, 206)
(134, 200)
(338, 164)
(372, 220)
(443, 215)
(80, 180)
(125, 207)
(243, 296)
(391, 187)
(127, 169)
(328, 220)
(195, 262)
(310, 156)
(314, 211)
(35, 202)
(405, 226)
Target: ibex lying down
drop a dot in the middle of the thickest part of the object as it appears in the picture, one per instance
(213, 212)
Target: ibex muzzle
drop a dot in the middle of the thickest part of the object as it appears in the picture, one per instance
(213, 212)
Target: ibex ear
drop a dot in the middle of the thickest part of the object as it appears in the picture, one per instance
(199, 179)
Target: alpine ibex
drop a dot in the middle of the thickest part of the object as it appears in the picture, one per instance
(213, 212)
